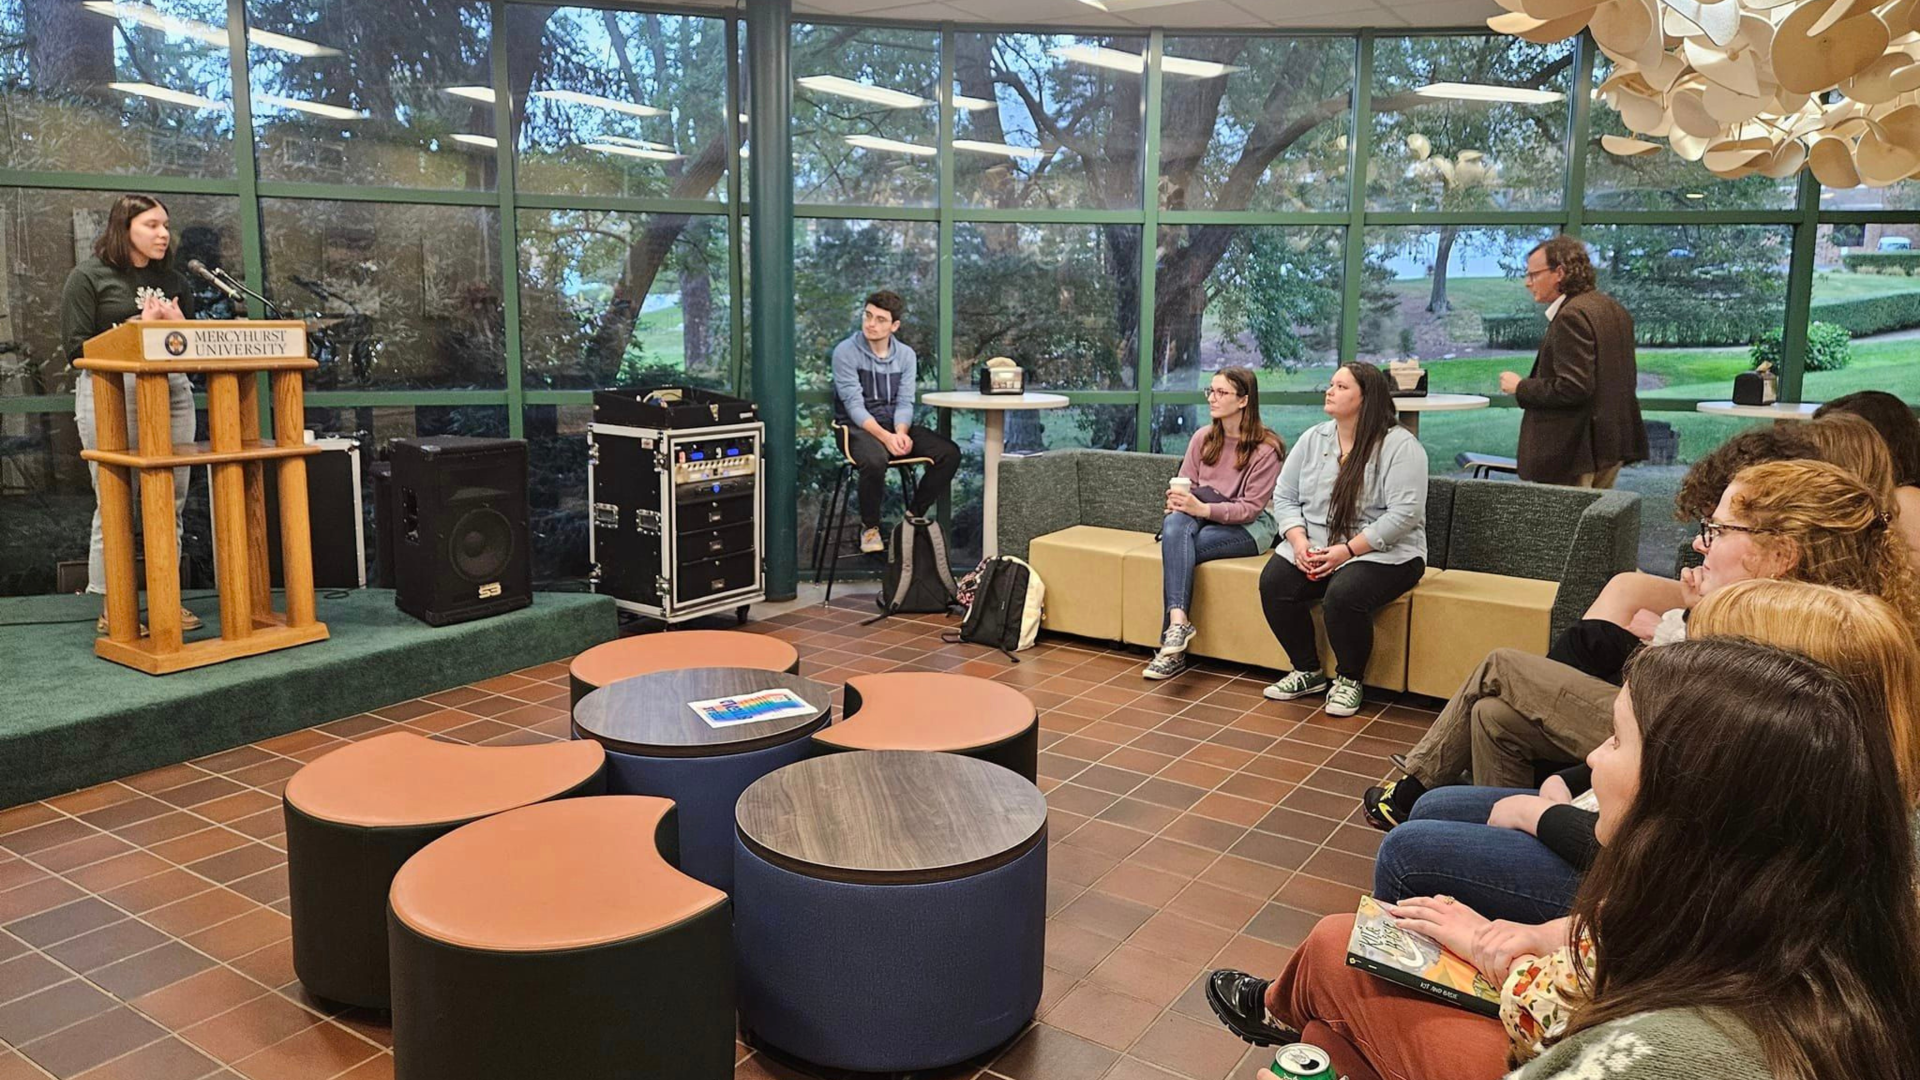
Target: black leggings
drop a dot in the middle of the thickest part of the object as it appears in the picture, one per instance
(1349, 597)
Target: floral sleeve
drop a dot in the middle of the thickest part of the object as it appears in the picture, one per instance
(1539, 995)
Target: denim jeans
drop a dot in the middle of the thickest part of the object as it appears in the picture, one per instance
(1186, 542)
(181, 420)
(1446, 846)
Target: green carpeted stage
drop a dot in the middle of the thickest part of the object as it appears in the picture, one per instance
(69, 719)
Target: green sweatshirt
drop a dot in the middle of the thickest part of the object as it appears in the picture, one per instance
(98, 298)
(1670, 1044)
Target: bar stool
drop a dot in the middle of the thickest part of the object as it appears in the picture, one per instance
(833, 516)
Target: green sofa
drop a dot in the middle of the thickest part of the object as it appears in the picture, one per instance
(1509, 564)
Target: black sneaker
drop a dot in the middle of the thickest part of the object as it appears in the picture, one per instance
(1240, 1001)
(1385, 807)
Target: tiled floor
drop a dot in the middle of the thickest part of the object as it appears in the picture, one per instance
(144, 931)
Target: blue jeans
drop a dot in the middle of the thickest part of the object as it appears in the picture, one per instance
(1186, 542)
(1446, 846)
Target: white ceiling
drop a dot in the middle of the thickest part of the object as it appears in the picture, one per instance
(1172, 14)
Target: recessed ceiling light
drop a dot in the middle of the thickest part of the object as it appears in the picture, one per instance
(331, 112)
(1025, 152)
(1484, 92)
(574, 97)
(1136, 63)
(874, 142)
(859, 91)
(172, 97)
(648, 153)
(487, 141)
(472, 93)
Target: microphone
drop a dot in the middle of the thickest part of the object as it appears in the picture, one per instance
(200, 268)
(229, 282)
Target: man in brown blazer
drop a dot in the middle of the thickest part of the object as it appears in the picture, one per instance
(1582, 417)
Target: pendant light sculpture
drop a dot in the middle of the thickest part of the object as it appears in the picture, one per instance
(1753, 86)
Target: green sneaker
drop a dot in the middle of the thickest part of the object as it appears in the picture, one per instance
(1344, 698)
(1298, 684)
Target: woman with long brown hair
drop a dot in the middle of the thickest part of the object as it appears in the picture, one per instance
(1220, 512)
(1752, 911)
(1352, 506)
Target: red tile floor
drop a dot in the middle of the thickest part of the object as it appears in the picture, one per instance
(1194, 824)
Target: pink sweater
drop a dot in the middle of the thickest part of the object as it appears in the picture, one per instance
(1242, 501)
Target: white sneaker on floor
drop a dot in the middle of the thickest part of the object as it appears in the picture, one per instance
(871, 543)
(1165, 665)
(1344, 697)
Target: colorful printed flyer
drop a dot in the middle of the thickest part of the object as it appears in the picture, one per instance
(751, 708)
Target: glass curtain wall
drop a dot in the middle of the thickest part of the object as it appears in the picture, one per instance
(491, 207)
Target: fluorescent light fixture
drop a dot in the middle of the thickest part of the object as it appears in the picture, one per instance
(1096, 4)
(646, 153)
(859, 91)
(200, 31)
(172, 97)
(487, 141)
(1136, 63)
(970, 104)
(874, 142)
(574, 97)
(1696, 194)
(638, 144)
(1482, 92)
(331, 112)
(1025, 152)
(472, 93)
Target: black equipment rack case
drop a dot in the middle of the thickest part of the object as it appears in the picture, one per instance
(678, 504)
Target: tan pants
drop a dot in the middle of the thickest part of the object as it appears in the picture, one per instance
(1602, 478)
(1515, 709)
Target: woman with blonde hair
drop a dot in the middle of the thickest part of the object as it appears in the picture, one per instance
(1853, 443)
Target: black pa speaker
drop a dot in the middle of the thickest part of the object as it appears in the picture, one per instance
(460, 538)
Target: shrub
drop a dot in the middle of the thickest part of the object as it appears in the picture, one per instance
(1883, 262)
(1829, 348)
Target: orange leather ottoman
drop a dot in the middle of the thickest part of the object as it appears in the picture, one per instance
(357, 814)
(935, 711)
(670, 650)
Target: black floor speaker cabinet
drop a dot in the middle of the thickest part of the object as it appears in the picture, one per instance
(677, 505)
(461, 547)
(333, 507)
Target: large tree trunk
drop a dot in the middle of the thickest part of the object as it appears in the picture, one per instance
(696, 309)
(69, 49)
(1443, 254)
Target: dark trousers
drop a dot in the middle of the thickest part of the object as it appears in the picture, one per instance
(870, 463)
(1348, 598)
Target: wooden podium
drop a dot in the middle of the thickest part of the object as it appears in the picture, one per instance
(232, 355)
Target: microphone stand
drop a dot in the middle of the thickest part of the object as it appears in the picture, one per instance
(272, 308)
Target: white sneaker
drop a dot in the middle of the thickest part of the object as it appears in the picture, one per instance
(871, 543)
(1344, 697)
(1165, 665)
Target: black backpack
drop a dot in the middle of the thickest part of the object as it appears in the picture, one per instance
(917, 580)
(1004, 602)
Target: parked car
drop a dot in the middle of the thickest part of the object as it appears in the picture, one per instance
(1895, 243)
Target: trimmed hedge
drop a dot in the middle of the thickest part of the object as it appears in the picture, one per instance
(1828, 348)
(1699, 325)
(1883, 262)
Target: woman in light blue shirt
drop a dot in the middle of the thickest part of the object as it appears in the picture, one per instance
(1352, 507)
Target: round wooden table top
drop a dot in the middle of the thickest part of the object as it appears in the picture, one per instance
(1779, 410)
(644, 654)
(648, 715)
(928, 710)
(569, 874)
(1441, 403)
(891, 816)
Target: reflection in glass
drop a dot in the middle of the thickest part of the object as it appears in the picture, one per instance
(117, 87)
(621, 299)
(1174, 425)
(1256, 296)
(1700, 296)
(404, 296)
(1443, 293)
(557, 491)
(1663, 180)
(623, 103)
(1270, 134)
(836, 264)
(1904, 195)
(1469, 123)
(865, 115)
(1062, 300)
(395, 96)
(45, 232)
(1099, 427)
(1044, 120)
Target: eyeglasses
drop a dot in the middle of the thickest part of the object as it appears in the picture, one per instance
(1710, 531)
(1214, 392)
(1531, 274)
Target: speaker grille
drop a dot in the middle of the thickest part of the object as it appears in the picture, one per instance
(480, 545)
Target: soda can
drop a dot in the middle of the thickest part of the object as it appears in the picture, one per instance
(1302, 1061)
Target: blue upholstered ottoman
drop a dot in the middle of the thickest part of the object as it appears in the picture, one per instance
(889, 908)
(657, 745)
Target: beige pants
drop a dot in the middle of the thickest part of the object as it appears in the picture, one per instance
(1603, 478)
(1515, 709)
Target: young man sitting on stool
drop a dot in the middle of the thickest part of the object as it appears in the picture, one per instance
(873, 375)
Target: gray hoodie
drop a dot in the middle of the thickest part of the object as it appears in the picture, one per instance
(867, 387)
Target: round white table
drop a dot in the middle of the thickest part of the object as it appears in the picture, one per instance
(995, 406)
(1779, 410)
(1410, 408)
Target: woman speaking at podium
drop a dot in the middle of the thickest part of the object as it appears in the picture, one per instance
(129, 276)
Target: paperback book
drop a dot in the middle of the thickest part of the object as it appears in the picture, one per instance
(1416, 961)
